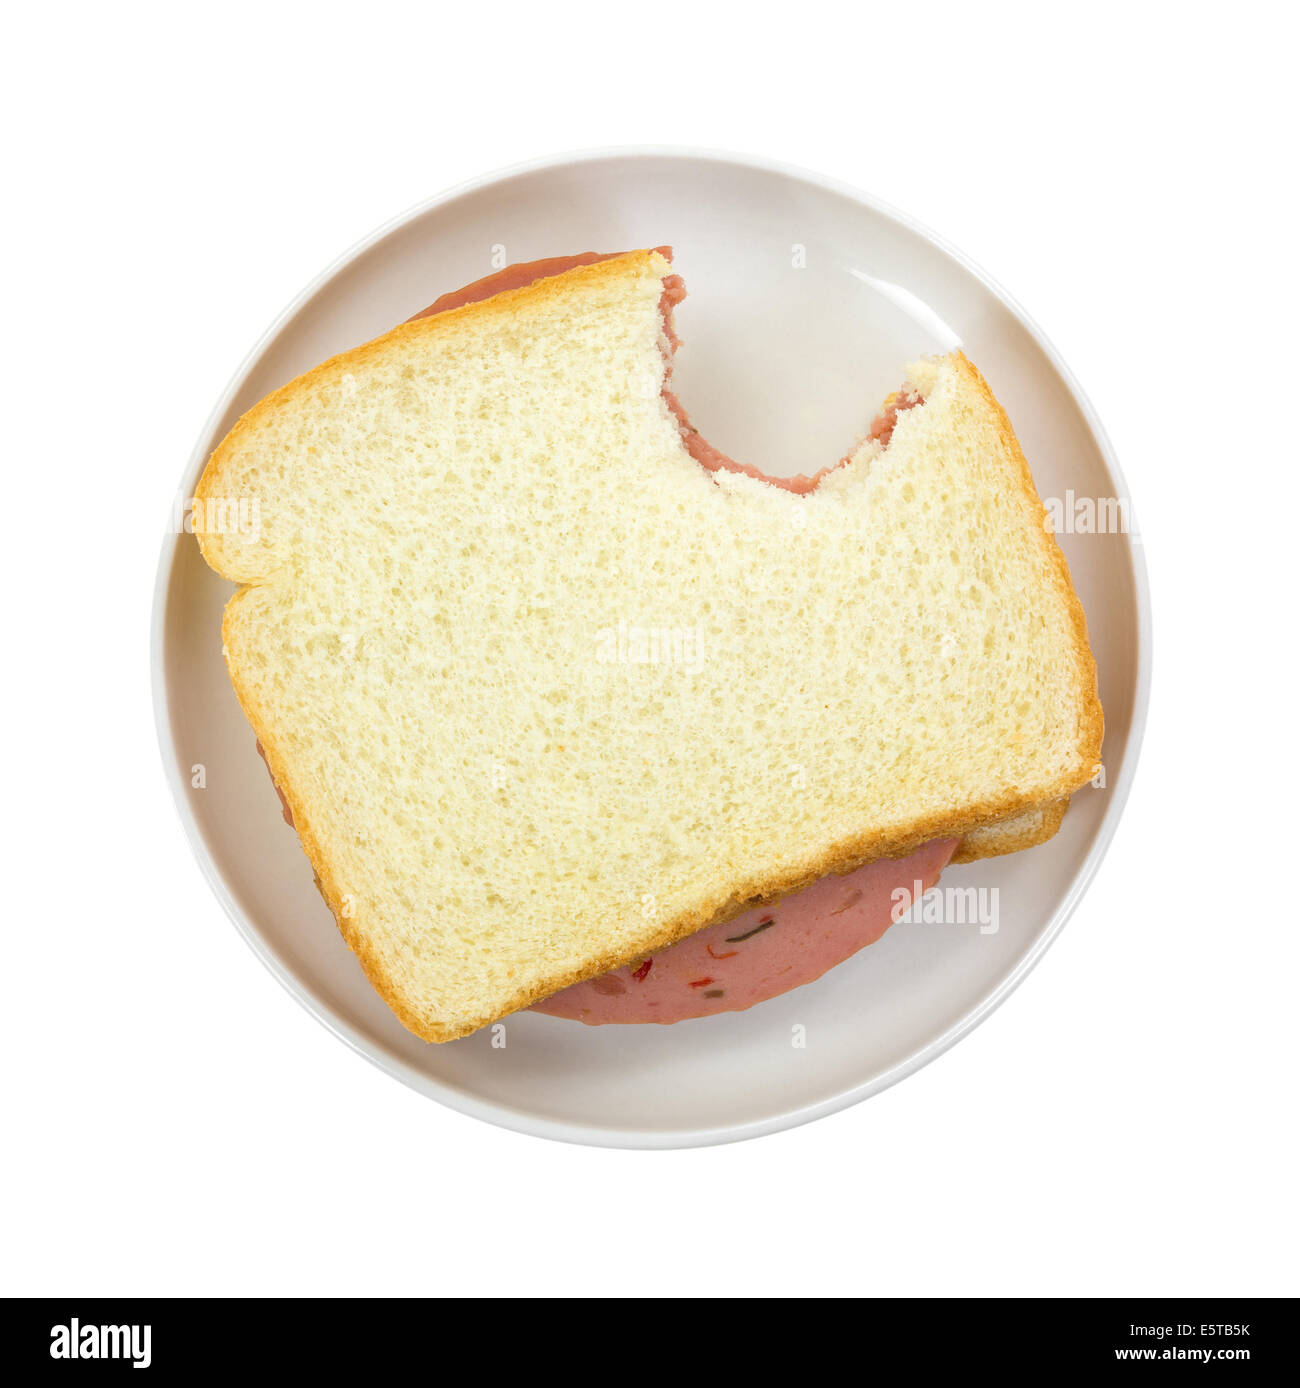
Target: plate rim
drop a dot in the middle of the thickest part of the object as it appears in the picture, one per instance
(638, 1138)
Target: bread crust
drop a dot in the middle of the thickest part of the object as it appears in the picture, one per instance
(841, 857)
(1025, 830)
(1092, 724)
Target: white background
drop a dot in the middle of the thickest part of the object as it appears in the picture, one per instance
(173, 1122)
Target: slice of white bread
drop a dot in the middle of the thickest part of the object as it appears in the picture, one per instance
(544, 696)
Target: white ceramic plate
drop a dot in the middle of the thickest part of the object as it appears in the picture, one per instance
(782, 366)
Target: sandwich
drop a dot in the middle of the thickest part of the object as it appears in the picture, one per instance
(572, 712)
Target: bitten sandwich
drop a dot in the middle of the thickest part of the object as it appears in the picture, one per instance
(570, 711)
